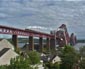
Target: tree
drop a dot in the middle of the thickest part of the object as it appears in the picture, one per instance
(82, 64)
(50, 65)
(68, 57)
(20, 63)
(82, 60)
(82, 51)
(4, 67)
(34, 57)
(23, 62)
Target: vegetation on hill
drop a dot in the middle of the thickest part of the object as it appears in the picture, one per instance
(23, 61)
(82, 58)
(70, 59)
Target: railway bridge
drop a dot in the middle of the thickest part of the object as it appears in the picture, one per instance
(15, 32)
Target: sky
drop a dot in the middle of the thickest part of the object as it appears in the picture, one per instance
(44, 15)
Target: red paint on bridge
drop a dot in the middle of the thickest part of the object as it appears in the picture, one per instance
(51, 38)
(21, 32)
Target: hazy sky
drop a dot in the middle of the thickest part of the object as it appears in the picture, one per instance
(44, 15)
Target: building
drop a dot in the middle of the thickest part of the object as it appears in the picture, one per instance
(6, 52)
(52, 58)
(55, 59)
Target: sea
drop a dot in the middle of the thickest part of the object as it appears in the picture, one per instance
(77, 46)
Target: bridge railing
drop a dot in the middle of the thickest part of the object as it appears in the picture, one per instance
(21, 32)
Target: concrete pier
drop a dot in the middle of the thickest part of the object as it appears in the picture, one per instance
(40, 44)
(31, 43)
(48, 44)
(52, 43)
(15, 41)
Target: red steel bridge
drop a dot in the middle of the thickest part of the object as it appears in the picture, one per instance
(50, 38)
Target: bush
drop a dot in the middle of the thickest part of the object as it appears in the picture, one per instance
(49, 65)
(69, 57)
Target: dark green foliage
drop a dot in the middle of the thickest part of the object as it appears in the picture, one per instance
(82, 64)
(82, 51)
(21, 62)
(34, 57)
(82, 61)
(69, 57)
(4, 67)
(49, 65)
(17, 50)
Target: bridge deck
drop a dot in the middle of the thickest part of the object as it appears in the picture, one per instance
(26, 32)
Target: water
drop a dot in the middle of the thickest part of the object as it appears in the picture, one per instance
(21, 44)
(78, 45)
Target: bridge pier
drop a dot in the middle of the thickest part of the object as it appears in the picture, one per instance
(40, 44)
(48, 44)
(31, 43)
(52, 43)
(15, 41)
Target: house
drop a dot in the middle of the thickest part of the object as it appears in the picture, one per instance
(6, 44)
(44, 57)
(51, 58)
(55, 59)
(6, 52)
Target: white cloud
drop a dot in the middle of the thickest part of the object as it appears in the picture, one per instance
(2, 15)
(43, 14)
(39, 28)
(73, 0)
(36, 27)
